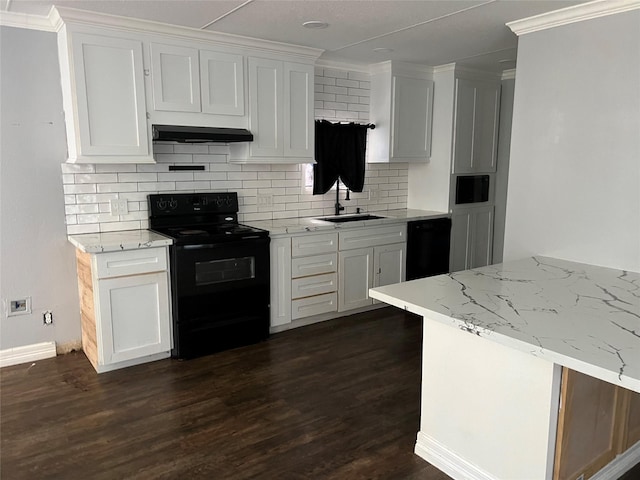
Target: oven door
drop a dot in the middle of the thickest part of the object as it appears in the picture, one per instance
(220, 295)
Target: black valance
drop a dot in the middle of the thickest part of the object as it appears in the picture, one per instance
(340, 154)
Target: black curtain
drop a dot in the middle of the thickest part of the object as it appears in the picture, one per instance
(340, 154)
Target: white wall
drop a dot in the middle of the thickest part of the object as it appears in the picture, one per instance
(35, 258)
(574, 179)
(502, 167)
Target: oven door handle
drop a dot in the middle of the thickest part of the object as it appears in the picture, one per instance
(247, 241)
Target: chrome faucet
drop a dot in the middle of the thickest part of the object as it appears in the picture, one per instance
(339, 207)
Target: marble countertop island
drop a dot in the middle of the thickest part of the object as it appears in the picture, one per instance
(583, 317)
(117, 241)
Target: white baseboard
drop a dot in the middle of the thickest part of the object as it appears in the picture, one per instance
(619, 465)
(449, 462)
(27, 353)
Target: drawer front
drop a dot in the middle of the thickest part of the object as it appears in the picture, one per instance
(316, 265)
(371, 237)
(314, 244)
(131, 262)
(316, 285)
(306, 307)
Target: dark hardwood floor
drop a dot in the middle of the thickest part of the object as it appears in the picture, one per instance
(338, 399)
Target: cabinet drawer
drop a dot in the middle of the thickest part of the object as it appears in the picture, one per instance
(316, 265)
(131, 262)
(316, 285)
(314, 244)
(306, 307)
(371, 237)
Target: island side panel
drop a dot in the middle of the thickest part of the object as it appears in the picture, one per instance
(488, 411)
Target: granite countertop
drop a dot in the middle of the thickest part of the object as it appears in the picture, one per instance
(584, 317)
(288, 226)
(117, 241)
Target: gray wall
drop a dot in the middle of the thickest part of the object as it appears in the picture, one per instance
(574, 174)
(35, 258)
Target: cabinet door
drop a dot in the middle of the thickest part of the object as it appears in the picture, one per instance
(412, 100)
(299, 127)
(463, 126)
(134, 317)
(175, 75)
(389, 264)
(588, 434)
(280, 259)
(485, 127)
(222, 83)
(460, 255)
(355, 278)
(109, 91)
(265, 107)
(475, 126)
(482, 237)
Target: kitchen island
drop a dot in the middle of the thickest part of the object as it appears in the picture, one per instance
(491, 384)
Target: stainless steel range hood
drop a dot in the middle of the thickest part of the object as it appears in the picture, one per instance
(185, 134)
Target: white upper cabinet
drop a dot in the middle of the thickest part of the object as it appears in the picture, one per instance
(402, 111)
(191, 80)
(104, 98)
(175, 75)
(280, 113)
(477, 104)
(222, 83)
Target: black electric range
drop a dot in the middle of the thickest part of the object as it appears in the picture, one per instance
(219, 272)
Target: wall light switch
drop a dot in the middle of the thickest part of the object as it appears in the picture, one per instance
(374, 194)
(265, 200)
(118, 207)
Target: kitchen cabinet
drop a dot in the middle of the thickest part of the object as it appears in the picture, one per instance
(594, 423)
(475, 133)
(175, 75)
(280, 258)
(367, 258)
(188, 79)
(402, 111)
(280, 113)
(125, 310)
(104, 97)
(471, 237)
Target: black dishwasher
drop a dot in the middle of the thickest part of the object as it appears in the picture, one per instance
(428, 247)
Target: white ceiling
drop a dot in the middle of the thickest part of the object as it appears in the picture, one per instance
(429, 32)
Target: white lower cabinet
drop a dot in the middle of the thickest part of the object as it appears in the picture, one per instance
(325, 273)
(125, 310)
(356, 278)
(471, 237)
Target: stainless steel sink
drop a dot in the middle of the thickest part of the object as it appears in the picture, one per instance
(350, 218)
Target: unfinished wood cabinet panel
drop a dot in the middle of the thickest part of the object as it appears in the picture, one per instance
(589, 426)
(87, 313)
(632, 431)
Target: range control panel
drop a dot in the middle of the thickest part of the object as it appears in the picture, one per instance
(168, 204)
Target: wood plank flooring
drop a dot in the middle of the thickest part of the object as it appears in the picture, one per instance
(335, 400)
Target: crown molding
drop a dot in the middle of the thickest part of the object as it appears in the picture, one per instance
(401, 68)
(508, 74)
(60, 16)
(576, 13)
(338, 65)
(23, 20)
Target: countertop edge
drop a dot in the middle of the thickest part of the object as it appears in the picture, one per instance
(118, 241)
(602, 373)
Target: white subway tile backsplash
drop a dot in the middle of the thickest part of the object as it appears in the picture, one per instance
(340, 96)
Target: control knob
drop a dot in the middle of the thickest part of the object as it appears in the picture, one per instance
(162, 204)
(173, 203)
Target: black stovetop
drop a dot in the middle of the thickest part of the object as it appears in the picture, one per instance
(191, 218)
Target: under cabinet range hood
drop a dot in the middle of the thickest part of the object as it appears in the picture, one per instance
(185, 134)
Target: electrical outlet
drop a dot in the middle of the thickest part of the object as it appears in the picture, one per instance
(21, 306)
(47, 317)
(118, 207)
(374, 194)
(265, 200)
